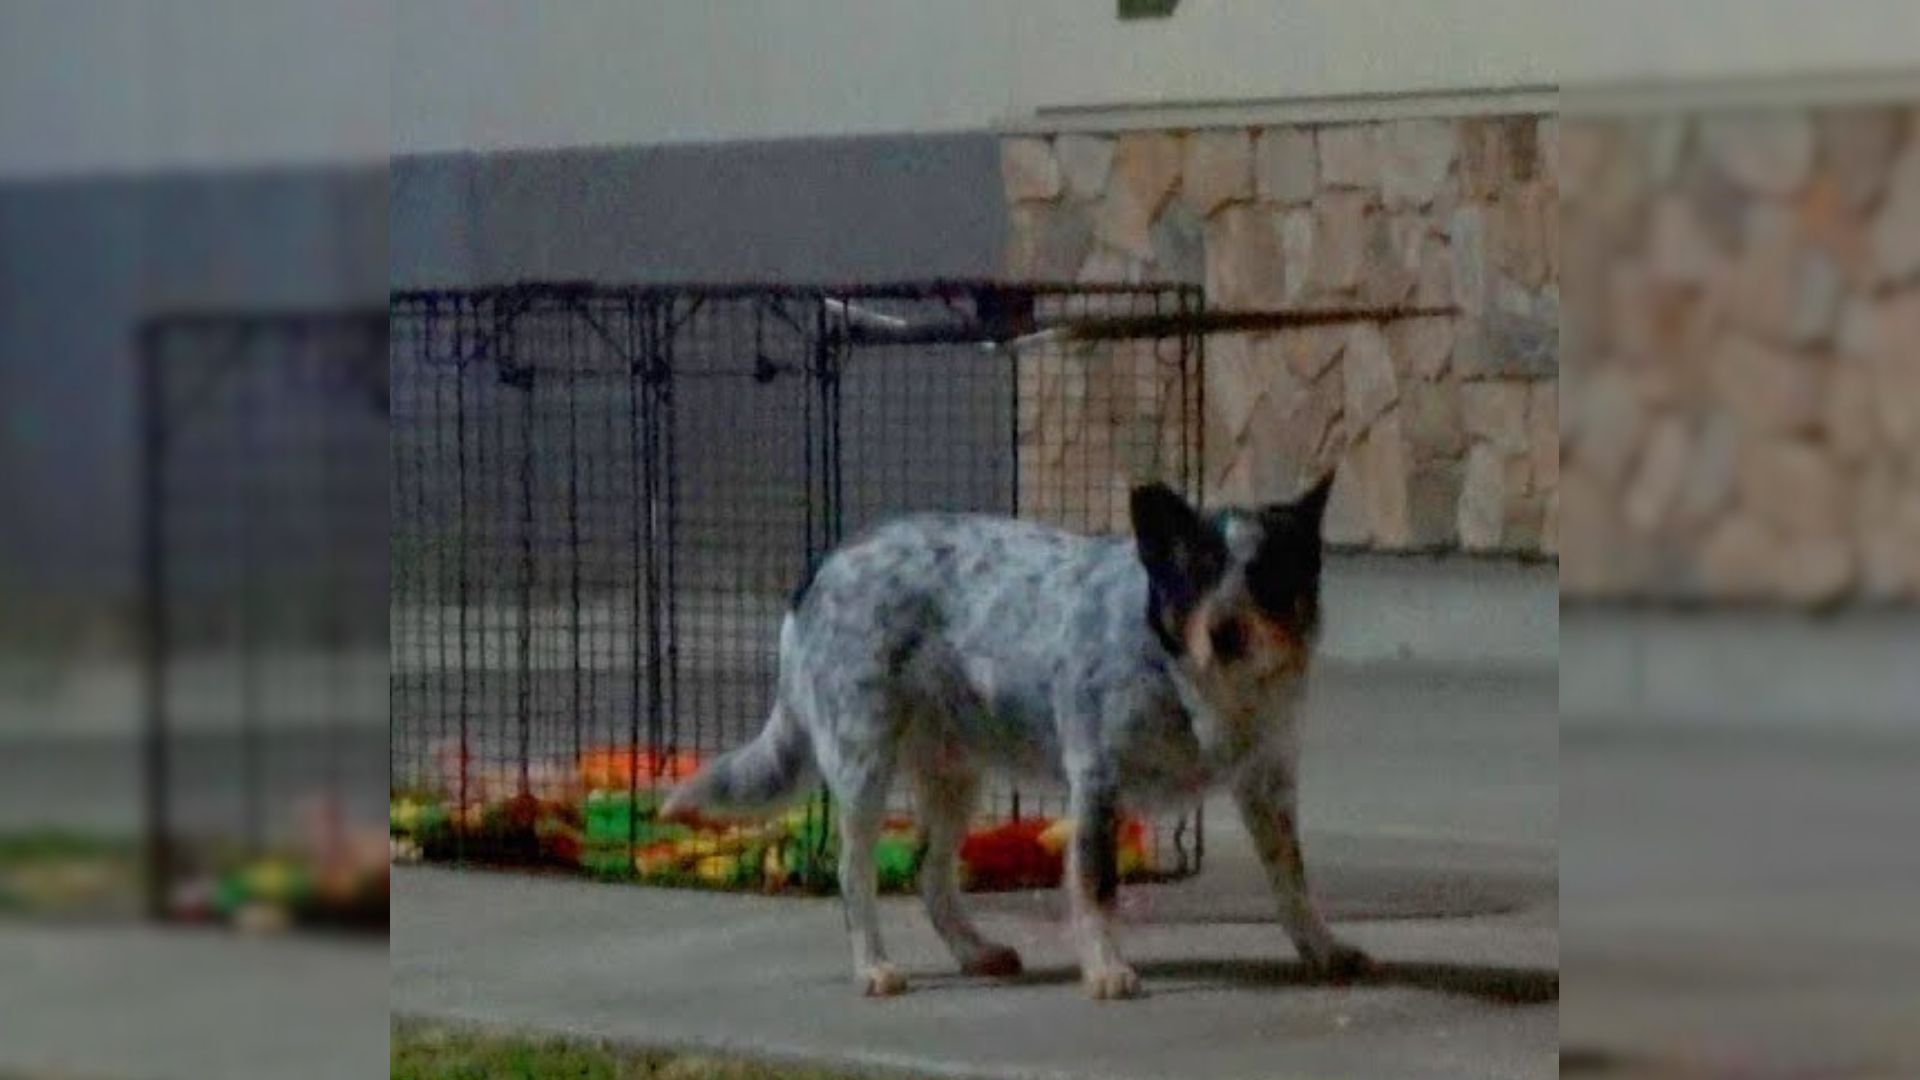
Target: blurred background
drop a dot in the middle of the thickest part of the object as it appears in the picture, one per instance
(1740, 602)
(175, 158)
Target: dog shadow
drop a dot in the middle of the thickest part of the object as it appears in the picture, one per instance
(1491, 983)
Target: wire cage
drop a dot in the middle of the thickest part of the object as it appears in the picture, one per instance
(604, 497)
(265, 567)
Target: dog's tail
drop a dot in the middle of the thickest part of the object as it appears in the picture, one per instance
(750, 780)
(757, 778)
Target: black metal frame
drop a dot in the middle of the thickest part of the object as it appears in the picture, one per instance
(262, 532)
(640, 474)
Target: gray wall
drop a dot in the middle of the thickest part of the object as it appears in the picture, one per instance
(80, 260)
(807, 210)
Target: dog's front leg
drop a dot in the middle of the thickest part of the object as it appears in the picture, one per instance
(1093, 879)
(1265, 793)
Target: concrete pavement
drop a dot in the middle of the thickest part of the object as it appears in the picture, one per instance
(139, 1002)
(1430, 803)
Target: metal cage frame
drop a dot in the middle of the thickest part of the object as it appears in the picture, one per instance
(576, 467)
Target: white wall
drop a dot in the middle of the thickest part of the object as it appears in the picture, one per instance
(508, 73)
(1076, 54)
(90, 86)
(1628, 42)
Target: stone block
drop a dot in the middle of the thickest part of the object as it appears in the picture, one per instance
(1517, 232)
(1387, 472)
(1791, 486)
(1611, 421)
(1768, 152)
(1296, 250)
(1350, 156)
(1495, 413)
(1145, 168)
(1857, 148)
(1179, 243)
(1085, 161)
(1766, 388)
(1049, 242)
(1286, 165)
(1662, 474)
(1371, 385)
(1467, 237)
(1421, 347)
(1028, 169)
(1711, 471)
(1245, 267)
(1312, 350)
(1483, 500)
(1416, 159)
(1218, 169)
(1433, 502)
(1543, 433)
(1431, 420)
(1681, 252)
(1341, 238)
(1894, 234)
(1895, 369)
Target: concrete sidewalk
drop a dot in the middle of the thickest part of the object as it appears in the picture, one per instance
(1431, 804)
(142, 1002)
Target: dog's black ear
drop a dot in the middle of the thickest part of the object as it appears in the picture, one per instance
(1182, 556)
(1165, 528)
(1312, 505)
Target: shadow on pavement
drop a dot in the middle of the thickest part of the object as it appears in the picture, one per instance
(1495, 984)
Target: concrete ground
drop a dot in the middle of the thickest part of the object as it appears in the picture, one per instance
(1431, 807)
(1738, 869)
(1737, 901)
(138, 1002)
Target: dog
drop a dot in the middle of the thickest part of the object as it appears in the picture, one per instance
(1143, 672)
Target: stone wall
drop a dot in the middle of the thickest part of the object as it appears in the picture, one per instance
(1444, 429)
(1742, 391)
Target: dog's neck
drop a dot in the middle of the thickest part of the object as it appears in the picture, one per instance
(1230, 727)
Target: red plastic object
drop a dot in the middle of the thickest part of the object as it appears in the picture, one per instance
(1011, 856)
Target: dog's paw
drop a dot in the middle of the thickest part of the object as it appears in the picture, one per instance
(1111, 983)
(993, 961)
(1342, 963)
(881, 980)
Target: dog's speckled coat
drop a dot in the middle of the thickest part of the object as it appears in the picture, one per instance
(1140, 672)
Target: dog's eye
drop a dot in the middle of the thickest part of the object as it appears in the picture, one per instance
(1229, 639)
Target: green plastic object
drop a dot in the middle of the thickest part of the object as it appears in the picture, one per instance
(897, 856)
(611, 819)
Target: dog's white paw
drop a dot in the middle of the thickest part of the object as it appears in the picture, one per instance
(1111, 983)
(881, 980)
(993, 961)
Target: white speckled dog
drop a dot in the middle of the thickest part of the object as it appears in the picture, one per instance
(1141, 673)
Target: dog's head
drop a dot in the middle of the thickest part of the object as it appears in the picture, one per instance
(1234, 596)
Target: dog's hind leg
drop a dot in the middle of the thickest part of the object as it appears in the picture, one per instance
(862, 801)
(946, 801)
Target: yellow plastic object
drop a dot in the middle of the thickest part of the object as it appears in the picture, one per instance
(1057, 836)
(773, 869)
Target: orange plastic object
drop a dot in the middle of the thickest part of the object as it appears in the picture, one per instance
(610, 768)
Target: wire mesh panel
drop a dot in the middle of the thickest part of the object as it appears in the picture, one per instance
(266, 572)
(605, 497)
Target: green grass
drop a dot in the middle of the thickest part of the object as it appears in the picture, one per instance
(435, 1052)
(59, 845)
(51, 871)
